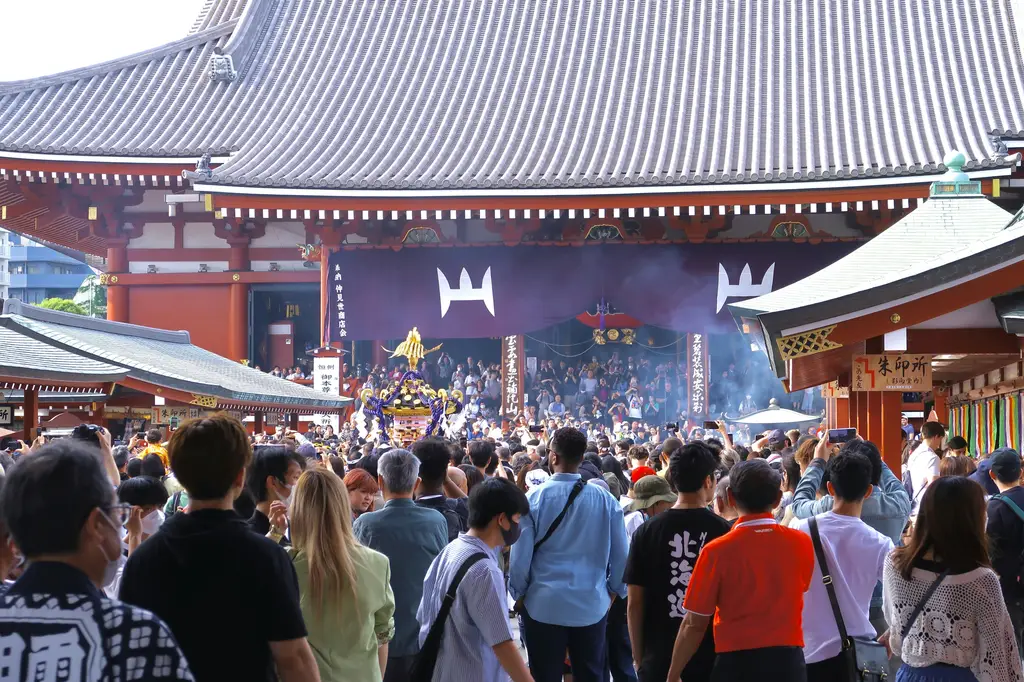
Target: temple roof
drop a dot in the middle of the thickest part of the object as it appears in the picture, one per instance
(949, 240)
(558, 95)
(24, 358)
(157, 357)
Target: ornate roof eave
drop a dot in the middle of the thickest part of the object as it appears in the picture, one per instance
(611, 202)
(138, 171)
(794, 335)
(753, 190)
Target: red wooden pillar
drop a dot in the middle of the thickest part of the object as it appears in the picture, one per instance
(293, 421)
(842, 413)
(31, 409)
(860, 401)
(238, 321)
(257, 424)
(99, 414)
(117, 294)
(890, 442)
(238, 298)
(940, 393)
(875, 417)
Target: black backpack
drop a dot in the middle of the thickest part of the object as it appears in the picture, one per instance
(456, 524)
(1020, 514)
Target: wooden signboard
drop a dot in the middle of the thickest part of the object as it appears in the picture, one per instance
(833, 390)
(905, 372)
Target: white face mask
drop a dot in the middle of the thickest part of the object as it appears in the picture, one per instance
(152, 521)
(291, 493)
(113, 565)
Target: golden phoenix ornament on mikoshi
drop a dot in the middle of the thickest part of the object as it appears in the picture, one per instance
(409, 409)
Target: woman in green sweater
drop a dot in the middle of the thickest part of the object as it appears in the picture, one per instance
(345, 588)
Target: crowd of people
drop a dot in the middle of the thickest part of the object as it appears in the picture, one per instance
(611, 393)
(529, 556)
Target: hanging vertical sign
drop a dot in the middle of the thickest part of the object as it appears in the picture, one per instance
(511, 376)
(697, 359)
(327, 380)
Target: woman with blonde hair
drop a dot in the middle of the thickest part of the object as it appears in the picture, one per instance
(344, 587)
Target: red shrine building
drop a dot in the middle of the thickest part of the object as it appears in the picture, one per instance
(278, 175)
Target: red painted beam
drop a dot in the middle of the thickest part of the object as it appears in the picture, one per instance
(609, 200)
(929, 307)
(268, 277)
(212, 254)
(957, 341)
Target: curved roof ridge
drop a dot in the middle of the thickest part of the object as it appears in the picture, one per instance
(13, 306)
(251, 28)
(110, 66)
(216, 12)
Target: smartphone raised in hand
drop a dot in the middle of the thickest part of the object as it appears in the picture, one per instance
(841, 435)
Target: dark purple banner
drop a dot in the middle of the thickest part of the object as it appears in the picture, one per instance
(493, 291)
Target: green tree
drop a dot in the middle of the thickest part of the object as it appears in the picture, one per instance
(64, 305)
(92, 297)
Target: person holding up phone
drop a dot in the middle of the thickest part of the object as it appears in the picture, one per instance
(886, 509)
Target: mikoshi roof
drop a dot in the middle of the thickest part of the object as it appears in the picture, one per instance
(774, 415)
(547, 94)
(159, 358)
(950, 238)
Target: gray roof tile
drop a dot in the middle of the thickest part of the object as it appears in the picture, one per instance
(22, 357)
(160, 357)
(562, 94)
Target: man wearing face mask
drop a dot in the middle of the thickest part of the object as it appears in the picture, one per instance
(55, 620)
(271, 478)
(477, 642)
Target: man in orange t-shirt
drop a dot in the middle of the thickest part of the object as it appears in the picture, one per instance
(752, 581)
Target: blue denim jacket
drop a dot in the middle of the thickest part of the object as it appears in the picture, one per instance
(887, 510)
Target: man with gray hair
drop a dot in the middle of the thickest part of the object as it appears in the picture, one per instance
(411, 537)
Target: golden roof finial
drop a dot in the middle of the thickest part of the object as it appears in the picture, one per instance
(412, 349)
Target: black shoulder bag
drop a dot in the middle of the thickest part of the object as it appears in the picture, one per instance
(573, 494)
(865, 659)
(426, 659)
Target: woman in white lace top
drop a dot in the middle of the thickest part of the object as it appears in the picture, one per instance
(963, 632)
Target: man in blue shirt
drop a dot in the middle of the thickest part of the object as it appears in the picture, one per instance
(567, 585)
(411, 537)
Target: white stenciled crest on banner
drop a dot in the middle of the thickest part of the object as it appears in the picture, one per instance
(466, 291)
(745, 288)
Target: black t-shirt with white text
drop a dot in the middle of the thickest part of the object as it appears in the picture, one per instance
(661, 559)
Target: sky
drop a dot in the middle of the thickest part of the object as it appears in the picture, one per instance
(48, 36)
